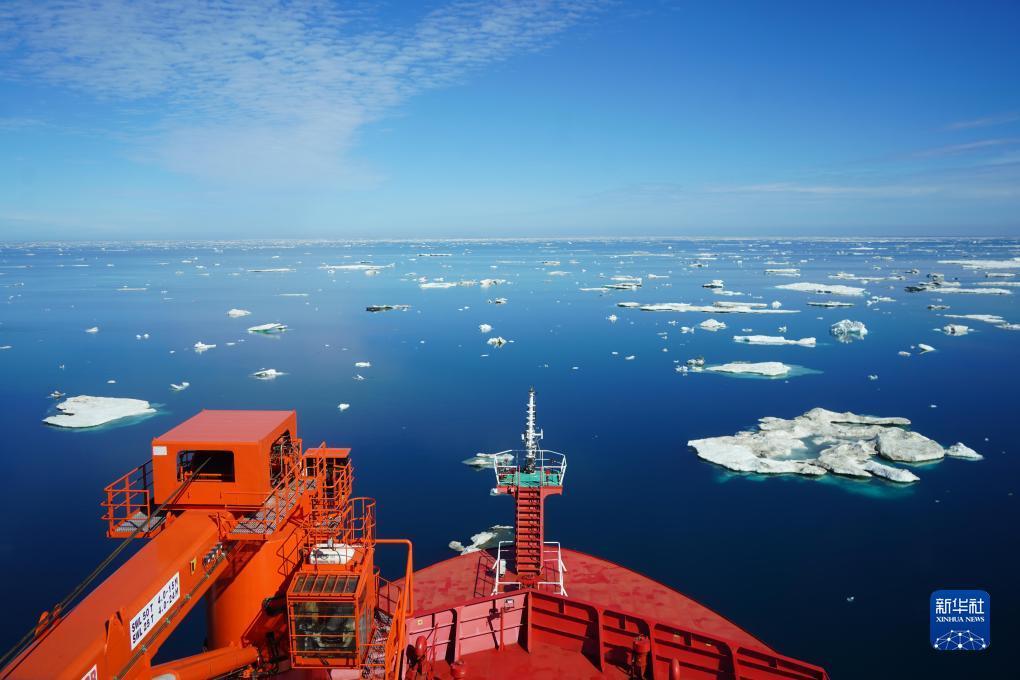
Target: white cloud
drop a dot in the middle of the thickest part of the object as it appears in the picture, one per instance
(986, 121)
(265, 89)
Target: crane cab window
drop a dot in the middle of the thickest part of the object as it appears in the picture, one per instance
(205, 466)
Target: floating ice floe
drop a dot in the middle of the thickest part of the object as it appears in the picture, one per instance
(720, 307)
(773, 340)
(484, 328)
(343, 407)
(783, 272)
(267, 328)
(362, 364)
(270, 270)
(486, 460)
(94, 329)
(387, 308)
(822, 288)
(955, 329)
(180, 387)
(712, 325)
(769, 369)
(87, 411)
(847, 330)
(829, 303)
(267, 374)
(822, 441)
(714, 283)
(488, 283)
(202, 347)
(497, 301)
(484, 540)
(356, 267)
(985, 264)
(612, 318)
(993, 319)
(925, 348)
(437, 285)
(497, 341)
(237, 313)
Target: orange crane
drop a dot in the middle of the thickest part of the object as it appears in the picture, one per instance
(269, 534)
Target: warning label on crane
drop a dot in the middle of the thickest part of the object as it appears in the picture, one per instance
(149, 616)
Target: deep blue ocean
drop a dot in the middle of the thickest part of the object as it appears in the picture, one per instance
(781, 556)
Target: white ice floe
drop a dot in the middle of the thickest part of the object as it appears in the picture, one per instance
(829, 303)
(960, 450)
(343, 407)
(87, 411)
(488, 283)
(783, 272)
(925, 348)
(766, 368)
(714, 283)
(485, 328)
(271, 270)
(497, 341)
(720, 307)
(612, 318)
(267, 328)
(486, 460)
(202, 347)
(267, 374)
(993, 319)
(237, 313)
(822, 441)
(94, 329)
(180, 387)
(773, 340)
(387, 308)
(484, 540)
(985, 264)
(356, 267)
(822, 288)
(970, 291)
(437, 285)
(712, 325)
(847, 330)
(362, 364)
(955, 329)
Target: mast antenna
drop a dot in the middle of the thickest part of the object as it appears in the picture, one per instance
(530, 436)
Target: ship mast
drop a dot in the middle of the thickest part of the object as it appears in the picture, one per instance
(530, 436)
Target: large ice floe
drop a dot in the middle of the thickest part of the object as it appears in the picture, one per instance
(823, 288)
(87, 411)
(773, 340)
(823, 441)
(720, 307)
(769, 369)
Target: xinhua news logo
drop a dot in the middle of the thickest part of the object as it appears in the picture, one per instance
(961, 620)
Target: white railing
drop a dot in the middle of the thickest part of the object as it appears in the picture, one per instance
(549, 555)
(546, 462)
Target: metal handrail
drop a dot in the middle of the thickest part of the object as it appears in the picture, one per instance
(560, 568)
(545, 461)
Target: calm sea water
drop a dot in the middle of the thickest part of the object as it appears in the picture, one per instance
(779, 556)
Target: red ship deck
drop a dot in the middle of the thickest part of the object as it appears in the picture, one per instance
(588, 578)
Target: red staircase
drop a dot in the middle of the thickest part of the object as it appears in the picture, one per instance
(528, 537)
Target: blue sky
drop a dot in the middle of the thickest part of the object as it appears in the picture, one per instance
(473, 119)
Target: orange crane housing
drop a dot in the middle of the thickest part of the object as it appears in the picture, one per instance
(238, 512)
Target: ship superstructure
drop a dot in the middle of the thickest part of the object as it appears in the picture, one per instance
(236, 511)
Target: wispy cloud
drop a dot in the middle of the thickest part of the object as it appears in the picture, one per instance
(264, 89)
(986, 121)
(878, 190)
(966, 147)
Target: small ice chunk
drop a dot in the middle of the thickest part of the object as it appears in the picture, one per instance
(823, 288)
(180, 387)
(202, 347)
(712, 325)
(773, 340)
(267, 374)
(497, 341)
(237, 313)
(955, 329)
(961, 450)
(612, 318)
(272, 327)
(485, 328)
(94, 329)
(925, 348)
(343, 407)
(362, 364)
(847, 330)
